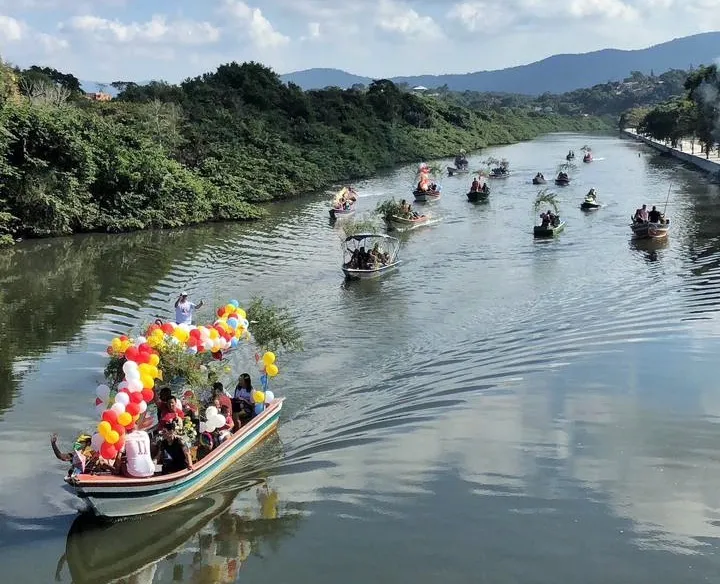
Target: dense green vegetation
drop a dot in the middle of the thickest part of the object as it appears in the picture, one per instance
(694, 115)
(164, 155)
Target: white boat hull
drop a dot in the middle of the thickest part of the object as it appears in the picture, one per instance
(352, 274)
(120, 497)
(405, 224)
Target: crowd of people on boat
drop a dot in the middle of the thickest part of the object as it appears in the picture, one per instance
(174, 443)
(478, 187)
(563, 176)
(642, 215)
(539, 176)
(549, 219)
(426, 186)
(362, 259)
(570, 155)
(345, 200)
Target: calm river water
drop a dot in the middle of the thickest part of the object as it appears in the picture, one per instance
(497, 410)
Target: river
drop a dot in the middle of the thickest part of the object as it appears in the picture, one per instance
(497, 410)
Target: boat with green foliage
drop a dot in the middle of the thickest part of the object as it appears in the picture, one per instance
(551, 224)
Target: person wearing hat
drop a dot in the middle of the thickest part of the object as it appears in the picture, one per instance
(78, 457)
(184, 309)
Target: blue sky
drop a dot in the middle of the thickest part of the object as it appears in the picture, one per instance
(108, 40)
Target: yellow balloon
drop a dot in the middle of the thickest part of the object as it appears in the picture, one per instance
(272, 370)
(112, 437)
(154, 360)
(144, 368)
(229, 309)
(154, 372)
(214, 334)
(269, 358)
(124, 419)
(258, 397)
(147, 381)
(104, 428)
(241, 313)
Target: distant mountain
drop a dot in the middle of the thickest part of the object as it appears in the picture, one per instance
(556, 74)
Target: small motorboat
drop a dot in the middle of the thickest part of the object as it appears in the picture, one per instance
(570, 156)
(383, 249)
(562, 179)
(344, 203)
(539, 179)
(648, 230)
(588, 157)
(423, 196)
(540, 231)
(499, 172)
(479, 196)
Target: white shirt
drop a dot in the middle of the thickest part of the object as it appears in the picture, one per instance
(184, 312)
(137, 449)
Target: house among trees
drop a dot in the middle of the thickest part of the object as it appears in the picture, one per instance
(98, 96)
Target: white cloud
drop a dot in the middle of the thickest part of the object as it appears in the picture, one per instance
(51, 43)
(157, 30)
(11, 30)
(480, 16)
(261, 31)
(400, 19)
(613, 9)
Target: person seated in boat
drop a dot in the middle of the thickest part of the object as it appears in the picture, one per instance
(591, 196)
(485, 188)
(242, 402)
(475, 187)
(137, 461)
(655, 216)
(641, 215)
(173, 412)
(173, 454)
(421, 185)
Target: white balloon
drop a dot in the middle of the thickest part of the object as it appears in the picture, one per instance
(143, 406)
(203, 427)
(134, 385)
(122, 385)
(210, 412)
(122, 398)
(118, 408)
(209, 426)
(140, 340)
(207, 345)
(103, 391)
(269, 396)
(100, 408)
(96, 442)
(219, 421)
(129, 366)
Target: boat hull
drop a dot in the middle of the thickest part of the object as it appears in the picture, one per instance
(337, 213)
(586, 160)
(424, 196)
(562, 182)
(477, 196)
(351, 274)
(115, 496)
(585, 206)
(540, 231)
(402, 224)
(650, 230)
(539, 181)
(453, 171)
(499, 176)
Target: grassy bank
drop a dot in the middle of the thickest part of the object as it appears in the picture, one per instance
(163, 155)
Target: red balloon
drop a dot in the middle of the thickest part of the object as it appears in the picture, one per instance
(195, 333)
(136, 397)
(167, 328)
(119, 429)
(148, 395)
(132, 354)
(145, 348)
(110, 416)
(133, 409)
(108, 451)
(120, 444)
(124, 338)
(220, 311)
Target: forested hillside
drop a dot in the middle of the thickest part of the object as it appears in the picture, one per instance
(213, 147)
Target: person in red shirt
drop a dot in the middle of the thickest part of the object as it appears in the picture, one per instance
(219, 394)
(172, 411)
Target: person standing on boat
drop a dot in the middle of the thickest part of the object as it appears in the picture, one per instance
(138, 463)
(641, 215)
(654, 216)
(184, 309)
(475, 187)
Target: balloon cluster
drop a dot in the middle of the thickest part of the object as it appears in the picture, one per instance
(214, 420)
(268, 369)
(140, 369)
(424, 172)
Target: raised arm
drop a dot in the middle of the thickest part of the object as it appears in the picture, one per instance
(200, 304)
(188, 457)
(177, 301)
(65, 457)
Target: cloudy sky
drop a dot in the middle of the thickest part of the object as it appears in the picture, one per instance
(110, 40)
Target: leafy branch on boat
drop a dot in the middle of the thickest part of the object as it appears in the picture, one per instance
(566, 167)
(389, 209)
(273, 328)
(356, 226)
(546, 198)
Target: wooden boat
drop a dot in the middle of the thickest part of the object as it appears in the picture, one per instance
(650, 230)
(478, 196)
(499, 173)
(398, 223)
(562, 181)
(549, 230)
(385, 244)
(423, 196)
(590, 204)
(539, 180)
(588, 157)
(100, 552)
(452, 170)
(118, 496)
(343, 194)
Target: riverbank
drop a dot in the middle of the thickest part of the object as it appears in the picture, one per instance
(684, 151)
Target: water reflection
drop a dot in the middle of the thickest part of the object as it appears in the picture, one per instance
(205, 541)
(648, 248)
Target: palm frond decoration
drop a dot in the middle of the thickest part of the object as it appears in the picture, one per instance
(586, 148)
(389, 209)
(566, 167)
(546, 198)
